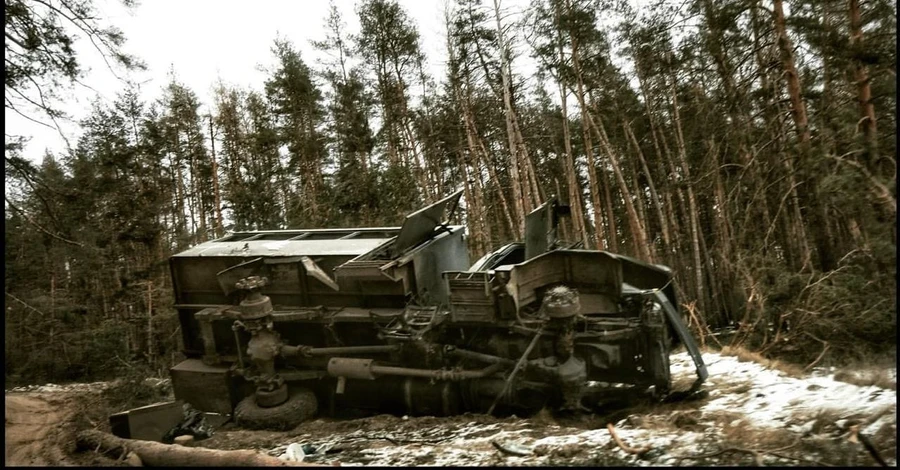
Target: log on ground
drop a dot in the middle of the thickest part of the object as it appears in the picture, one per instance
(155, 454)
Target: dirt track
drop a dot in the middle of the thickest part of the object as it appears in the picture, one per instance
(37, 426)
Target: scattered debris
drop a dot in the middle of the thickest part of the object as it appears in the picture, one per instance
(194, 424)
(792, 424)
(688, 432)
(294, 453)
(511, 448)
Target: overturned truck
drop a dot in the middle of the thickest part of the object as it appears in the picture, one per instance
(281, 325)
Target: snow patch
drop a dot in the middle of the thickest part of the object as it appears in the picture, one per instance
(760, 397)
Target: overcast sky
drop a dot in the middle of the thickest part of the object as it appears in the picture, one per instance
(207, 40)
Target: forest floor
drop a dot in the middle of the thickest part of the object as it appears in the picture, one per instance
(753, 412)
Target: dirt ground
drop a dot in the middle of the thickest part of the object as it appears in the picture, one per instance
(41, 425)
(40, 431)
(752, 414)
(34, 430)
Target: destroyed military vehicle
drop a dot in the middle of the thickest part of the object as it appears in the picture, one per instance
(281, 325)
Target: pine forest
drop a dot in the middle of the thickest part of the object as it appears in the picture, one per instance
(749, 145)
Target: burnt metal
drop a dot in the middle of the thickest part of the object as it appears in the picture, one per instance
(395, 319)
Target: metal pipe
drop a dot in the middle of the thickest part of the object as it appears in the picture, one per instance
(519, 364)
(477, 356)
(237, 343)
(288, 351)
(366, 369)
(438, 374)
(355, 350)
(237, 325)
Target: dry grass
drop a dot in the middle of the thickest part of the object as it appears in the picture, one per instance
(864, 378)
(885, 440)
(736, 388)
(544, 418)
(825, 420)
(743, 355)
(742, 433)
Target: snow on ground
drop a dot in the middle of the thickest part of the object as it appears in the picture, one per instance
(744, 397)
(776, 400)
(789, 420)
(57, 388)
(78, 387)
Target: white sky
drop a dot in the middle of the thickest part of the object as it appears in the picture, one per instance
(207, 40)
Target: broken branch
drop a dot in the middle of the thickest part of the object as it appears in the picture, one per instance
(627, 449)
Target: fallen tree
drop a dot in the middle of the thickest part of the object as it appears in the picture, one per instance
(155, 454)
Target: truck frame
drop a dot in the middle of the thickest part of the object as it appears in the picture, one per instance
(281, 325)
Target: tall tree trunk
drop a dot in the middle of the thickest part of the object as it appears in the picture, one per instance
(694, 215)
(640, 206)
(484, 220)
(798, 108)
(795, 247)
(737, 109)
(807, 193)
(725, 240)
(654, 196)
(864, 89)
(313, 175)
(475, 212)
(574, 191)
(569, 166)
(215, 179)
(662, 158)
(612, 231)
(635, 226)
(418, 160)
(518, 175)
(477, 148)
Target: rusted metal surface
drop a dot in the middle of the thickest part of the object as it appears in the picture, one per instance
(402, 323)
(206, 388)
(147, 423)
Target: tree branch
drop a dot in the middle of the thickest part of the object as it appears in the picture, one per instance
(39, 227)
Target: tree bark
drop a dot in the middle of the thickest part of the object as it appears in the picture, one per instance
(156, 454)
(807, 176)
(569, 161)
(693, 213)
(638, 234)
(519, 178)
(864, 89)
(798, 108)
(215, 179)
(571, 178)
(479, 150)
(654, 196)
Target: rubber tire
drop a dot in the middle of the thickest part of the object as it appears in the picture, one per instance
(300, 406)
(274, 398)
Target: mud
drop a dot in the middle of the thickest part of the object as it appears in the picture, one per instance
(38, 430)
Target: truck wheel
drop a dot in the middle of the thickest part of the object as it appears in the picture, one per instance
(300, 406)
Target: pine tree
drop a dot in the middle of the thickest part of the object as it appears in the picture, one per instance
(297, 113)
(388, 44)
(351, 139)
